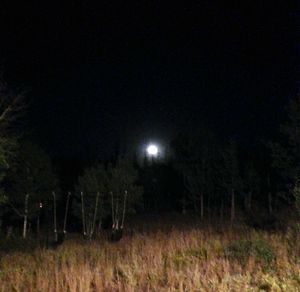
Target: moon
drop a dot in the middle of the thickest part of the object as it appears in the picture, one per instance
(152, 150)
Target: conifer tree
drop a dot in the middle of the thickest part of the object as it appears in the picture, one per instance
(286, 152)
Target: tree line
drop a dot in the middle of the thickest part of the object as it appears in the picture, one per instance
(202, 173)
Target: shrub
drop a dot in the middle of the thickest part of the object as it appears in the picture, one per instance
(17, 244)
(263, 251)
(241, 250)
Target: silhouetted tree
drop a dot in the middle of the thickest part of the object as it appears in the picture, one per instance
(195, 158)
(296, 193)
(92, 203)
(107, 190)
(286, 152)
(125, 193)
(7, 151)
(12, 106)
(31, 181)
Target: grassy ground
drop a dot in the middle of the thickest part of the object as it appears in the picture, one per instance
(185, 258)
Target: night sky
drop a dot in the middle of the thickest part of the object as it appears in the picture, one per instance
(108, 75)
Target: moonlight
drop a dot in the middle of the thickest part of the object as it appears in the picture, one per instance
(152, 150)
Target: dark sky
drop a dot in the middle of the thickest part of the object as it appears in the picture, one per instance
(101, 73)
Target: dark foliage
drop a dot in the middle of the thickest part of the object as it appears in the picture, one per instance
(116, 235)
(56, 243)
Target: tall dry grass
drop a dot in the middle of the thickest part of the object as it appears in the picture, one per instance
(193, 259)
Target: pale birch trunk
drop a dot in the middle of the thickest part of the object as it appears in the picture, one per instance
(66, 212)
(95, 215)
(54, 216)
(124, 210)
(112, 210)
(83, 214)
(25, 216)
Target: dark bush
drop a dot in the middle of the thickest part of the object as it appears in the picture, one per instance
(17, 244)
(241, 250)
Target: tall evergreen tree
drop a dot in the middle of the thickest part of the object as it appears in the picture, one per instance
(286, 152)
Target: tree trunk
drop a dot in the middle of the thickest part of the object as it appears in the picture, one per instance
(54, 217)
(208, 207)
(270, 203)
(232, 206)
(83, 215)
(183, 206)
(269, 195)
(275, 202)
(124, 210)
(9, 231)
(201, 206)
(248, 201)
(38, 227)
(89, 225)
(95, 216)
(117, 213)
(222, 210)
(66, 212)
(99, 226)
(112, 210)
(25, 216)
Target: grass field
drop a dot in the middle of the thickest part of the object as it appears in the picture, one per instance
(185, 258)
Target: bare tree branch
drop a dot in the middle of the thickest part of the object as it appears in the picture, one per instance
(12, 106)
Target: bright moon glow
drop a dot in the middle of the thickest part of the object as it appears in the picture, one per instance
(152, 150)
